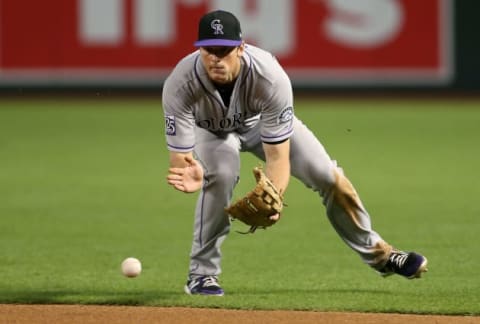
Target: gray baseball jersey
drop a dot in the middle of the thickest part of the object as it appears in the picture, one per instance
(260, 111)
(262, 90)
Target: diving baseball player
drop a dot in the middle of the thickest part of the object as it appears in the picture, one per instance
(229, 97)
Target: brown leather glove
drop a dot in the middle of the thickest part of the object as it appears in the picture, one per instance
(259, 204)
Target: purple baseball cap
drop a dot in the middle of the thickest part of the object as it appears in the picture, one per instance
(219, 28)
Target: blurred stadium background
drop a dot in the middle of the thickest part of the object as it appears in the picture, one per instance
(327, 46)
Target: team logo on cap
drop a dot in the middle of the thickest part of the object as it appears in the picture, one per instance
(217, 27)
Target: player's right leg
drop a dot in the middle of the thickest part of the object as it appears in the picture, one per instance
(220, 159)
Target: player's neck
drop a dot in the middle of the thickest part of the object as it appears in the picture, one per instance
(225, 90)
(225, 85)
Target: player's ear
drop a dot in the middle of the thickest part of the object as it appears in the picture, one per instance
(241, 49)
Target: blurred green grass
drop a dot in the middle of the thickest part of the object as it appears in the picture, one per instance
(82, 187)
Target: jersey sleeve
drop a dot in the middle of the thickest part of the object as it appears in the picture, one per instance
(277, 113)
(179, 119)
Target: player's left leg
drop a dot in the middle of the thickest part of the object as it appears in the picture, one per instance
(311, 164)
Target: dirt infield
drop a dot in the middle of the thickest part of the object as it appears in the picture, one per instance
(73, 314)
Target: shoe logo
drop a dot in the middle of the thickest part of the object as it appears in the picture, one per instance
(193, 284)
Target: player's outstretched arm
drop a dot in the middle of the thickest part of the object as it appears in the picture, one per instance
(185, 173)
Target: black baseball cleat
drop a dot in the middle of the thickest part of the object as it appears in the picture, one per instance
(410, 265)
(203, 285)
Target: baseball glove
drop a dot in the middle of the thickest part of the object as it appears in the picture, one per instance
(258, 205)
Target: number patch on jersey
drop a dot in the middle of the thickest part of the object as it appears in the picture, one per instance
(286, 115)
(170, 127)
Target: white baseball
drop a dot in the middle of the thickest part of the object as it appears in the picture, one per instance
(131, 267)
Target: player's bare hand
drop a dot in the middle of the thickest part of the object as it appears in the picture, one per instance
(187, 179)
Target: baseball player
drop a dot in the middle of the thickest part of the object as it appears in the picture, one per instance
(229, 97)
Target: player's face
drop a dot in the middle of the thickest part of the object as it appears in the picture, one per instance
(222, 62)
